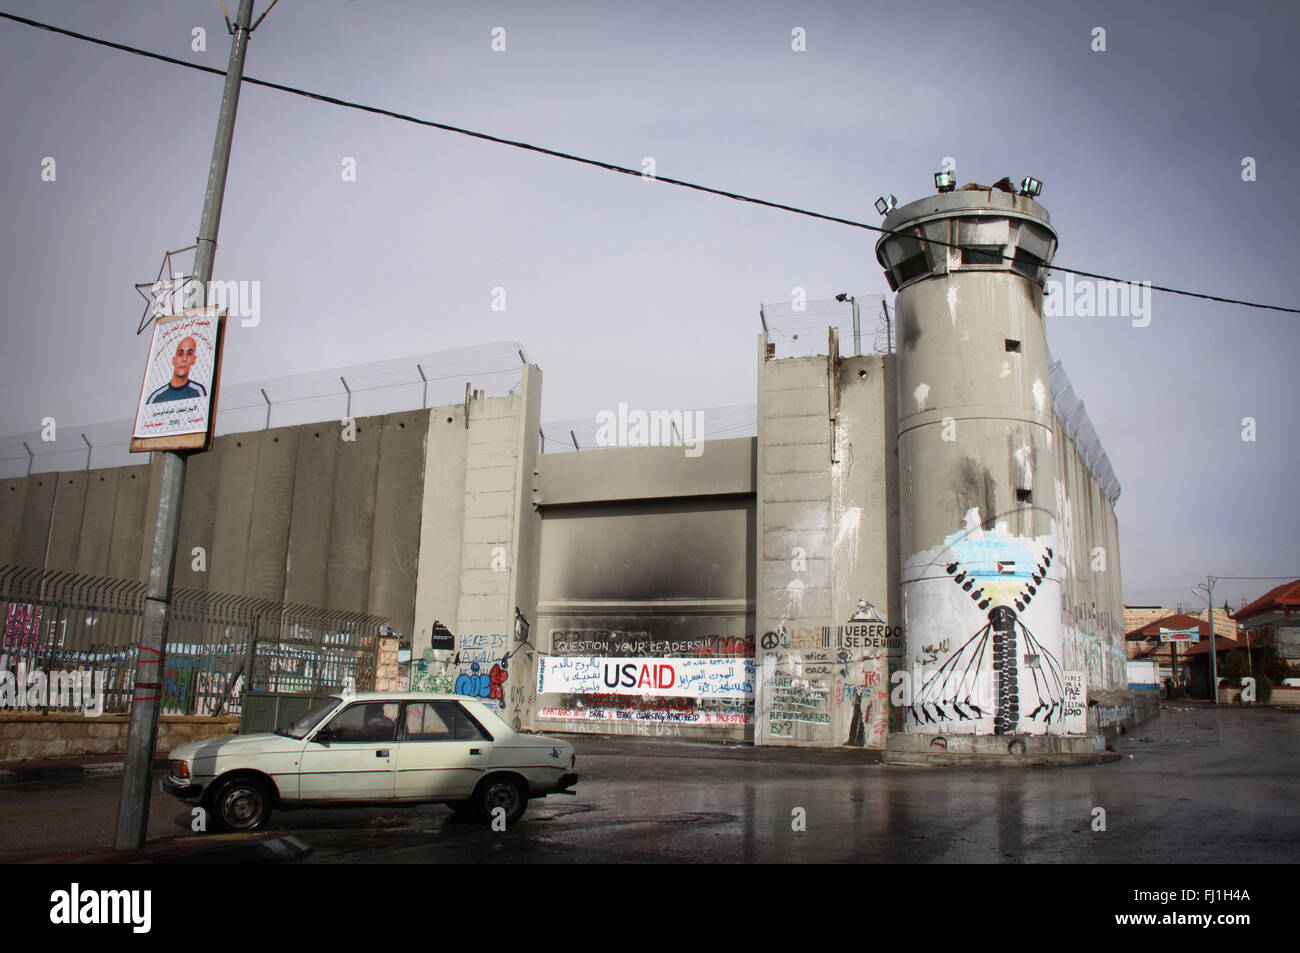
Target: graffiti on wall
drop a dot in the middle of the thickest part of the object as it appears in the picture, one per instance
(793, 700)
(616, 644)
(635, 680)
(479, 667)
(480, 684)
(998, 586)
(622, 708)
(22, 627)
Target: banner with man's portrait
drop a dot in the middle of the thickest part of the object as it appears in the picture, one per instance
(178, 395)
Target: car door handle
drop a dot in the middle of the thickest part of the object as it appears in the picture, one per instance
(475, 750)
(381, 753)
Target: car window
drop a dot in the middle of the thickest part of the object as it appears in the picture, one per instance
(425, 723)
(366, 722)
(441, 721)
(467, 728)
(301, 727)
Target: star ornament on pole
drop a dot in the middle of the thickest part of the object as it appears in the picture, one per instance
(166, 293)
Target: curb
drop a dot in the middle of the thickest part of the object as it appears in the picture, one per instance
(212, 849)
(65, 772)
(918, 759)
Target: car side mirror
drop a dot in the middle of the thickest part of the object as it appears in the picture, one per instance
(323, 736)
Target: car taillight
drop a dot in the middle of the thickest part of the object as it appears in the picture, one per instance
(181, 769)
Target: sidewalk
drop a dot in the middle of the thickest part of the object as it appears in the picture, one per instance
(58, 769)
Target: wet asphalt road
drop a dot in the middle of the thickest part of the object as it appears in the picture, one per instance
(1210, 786)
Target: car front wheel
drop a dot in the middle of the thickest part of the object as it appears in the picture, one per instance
(500, 792)
(241, 804)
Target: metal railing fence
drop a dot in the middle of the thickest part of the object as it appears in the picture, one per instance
(219, 645)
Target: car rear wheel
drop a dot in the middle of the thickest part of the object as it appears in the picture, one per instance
(500, 792)
(241, 804)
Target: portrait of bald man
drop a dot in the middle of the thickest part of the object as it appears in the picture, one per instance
(180, 387)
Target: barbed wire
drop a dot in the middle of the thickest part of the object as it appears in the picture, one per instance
(417, 381)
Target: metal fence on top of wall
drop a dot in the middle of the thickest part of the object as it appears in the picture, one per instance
(219, 645)
(360, 390)
(799, 328)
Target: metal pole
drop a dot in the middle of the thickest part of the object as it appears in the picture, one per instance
(857, 327)
(889, 337)
(133, 804)
(1214, 656)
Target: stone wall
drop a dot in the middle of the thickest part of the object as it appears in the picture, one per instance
(31, 736)
(1282, 696)
(386, 667)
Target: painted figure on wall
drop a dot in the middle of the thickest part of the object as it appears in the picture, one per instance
(1007, 676)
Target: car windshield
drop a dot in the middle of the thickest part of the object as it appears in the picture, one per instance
(300, 728)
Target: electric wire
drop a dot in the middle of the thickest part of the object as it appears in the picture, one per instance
(608, 166)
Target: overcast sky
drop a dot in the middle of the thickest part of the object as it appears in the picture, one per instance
(638, 292)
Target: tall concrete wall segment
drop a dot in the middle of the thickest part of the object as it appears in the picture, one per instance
(1092, 610)
(827, 606)
(478, 550)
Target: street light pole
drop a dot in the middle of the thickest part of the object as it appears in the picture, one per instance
(146, 702)
(857, 320)
(1214, 656)
(1214, 659)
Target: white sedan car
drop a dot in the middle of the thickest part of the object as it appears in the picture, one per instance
(374, 749)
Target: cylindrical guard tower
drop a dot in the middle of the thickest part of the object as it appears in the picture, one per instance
(981, 584)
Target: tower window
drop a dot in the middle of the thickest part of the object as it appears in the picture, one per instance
(981, 255)
(913, 267)
(1013, 346)
(1024, 496)
(1027, 263)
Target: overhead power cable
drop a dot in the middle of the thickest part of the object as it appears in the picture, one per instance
(608, 166)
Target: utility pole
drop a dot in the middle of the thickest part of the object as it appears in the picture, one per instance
(1214, 656)
(133, 804)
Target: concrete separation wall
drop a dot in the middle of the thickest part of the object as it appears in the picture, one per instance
(320, 514)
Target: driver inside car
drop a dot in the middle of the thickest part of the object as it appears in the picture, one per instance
(379, 727)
